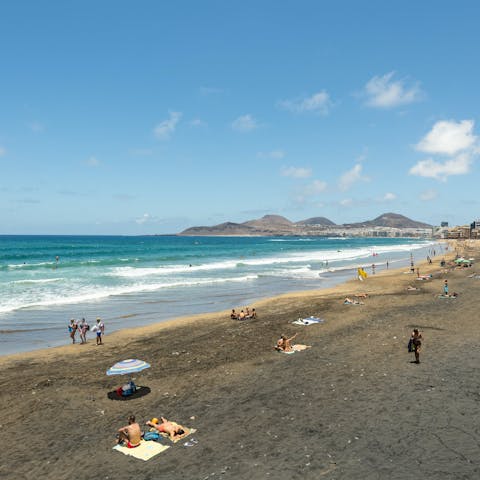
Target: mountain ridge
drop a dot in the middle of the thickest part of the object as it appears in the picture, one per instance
(270, 225)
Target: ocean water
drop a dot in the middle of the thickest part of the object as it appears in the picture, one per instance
(133, 281)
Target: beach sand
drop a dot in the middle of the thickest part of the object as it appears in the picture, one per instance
(352, 406)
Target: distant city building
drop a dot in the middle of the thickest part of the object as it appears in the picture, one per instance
(444, 224)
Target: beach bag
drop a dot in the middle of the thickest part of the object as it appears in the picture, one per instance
(151, 436)
(410, 346)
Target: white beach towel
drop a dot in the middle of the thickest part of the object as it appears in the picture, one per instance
(145, 451)
(308, 321)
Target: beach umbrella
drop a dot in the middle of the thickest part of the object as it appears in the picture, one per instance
(128, 366)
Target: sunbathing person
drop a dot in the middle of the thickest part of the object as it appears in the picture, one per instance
(361, 295)
(284, 344)
(349, 301)
(130, 434)
(172, 429)
(410, 288)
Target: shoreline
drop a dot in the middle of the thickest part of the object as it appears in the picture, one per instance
(141, 309)
(142, 331)
(352, 406)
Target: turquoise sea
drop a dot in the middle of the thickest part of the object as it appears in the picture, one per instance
(133, 281)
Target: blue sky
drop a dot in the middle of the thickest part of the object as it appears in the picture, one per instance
(150, 117)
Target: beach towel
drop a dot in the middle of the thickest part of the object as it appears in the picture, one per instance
(296, 348)
(187, 431)
(308, 321)
(299, 347)
(145, 451)
(447, 296)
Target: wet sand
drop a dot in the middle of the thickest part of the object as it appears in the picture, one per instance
(352, 406)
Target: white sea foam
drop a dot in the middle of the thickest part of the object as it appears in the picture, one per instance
(287, 258)
(29, 265)
(89, 294)
(40, 280)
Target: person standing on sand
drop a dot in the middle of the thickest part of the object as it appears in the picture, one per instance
(72, 328)
(99, 330)
(416, 338)
(83, 327)
(445, 288)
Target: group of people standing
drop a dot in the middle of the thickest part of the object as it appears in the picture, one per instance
(82, 327)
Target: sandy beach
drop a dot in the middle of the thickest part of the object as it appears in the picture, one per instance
(352, 406)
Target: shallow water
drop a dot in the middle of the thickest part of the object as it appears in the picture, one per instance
(134, 281)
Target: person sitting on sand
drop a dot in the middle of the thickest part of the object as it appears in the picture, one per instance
(254, 314)
(172, 429)
(417, 343)
(127, 389)
(234, 315)
(242, 315)
(130, 434)
(284, 344)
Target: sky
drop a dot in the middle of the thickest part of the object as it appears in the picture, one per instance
(149, 117)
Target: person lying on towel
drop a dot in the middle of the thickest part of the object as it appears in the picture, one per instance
(172, 429)
(130, 434)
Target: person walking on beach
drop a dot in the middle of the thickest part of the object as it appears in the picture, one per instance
(72, 328)
(416, 339)
(445, 288)
(83, 328)
(99, 330)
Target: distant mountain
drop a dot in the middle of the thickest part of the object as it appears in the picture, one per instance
(269, 221)
(271, 225)
(227, 228)
(324, 222)
(392, 220)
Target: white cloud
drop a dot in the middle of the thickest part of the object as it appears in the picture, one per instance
(165, 129)
(316, 187)
(210, 90)
(296, 172)
(245, 123)
(346, 202)
(276, 154)
(448, 138)
(197, 122)
(3, 151)
(141, 152)
(352, 176)
(36, 127)
(318, 103)
(145, 218)
(428, 195)
(388, 197)
(430, 168)
(92, 162)
(384, 92)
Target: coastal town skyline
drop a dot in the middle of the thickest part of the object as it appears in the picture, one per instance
(155, 118)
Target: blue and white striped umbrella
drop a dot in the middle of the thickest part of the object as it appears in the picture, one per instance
(131, 365)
